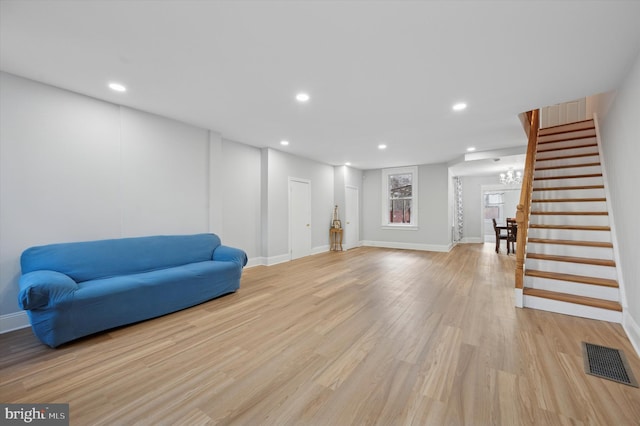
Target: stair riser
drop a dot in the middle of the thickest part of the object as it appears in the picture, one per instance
(572, 309)
(567, 193)
(596, 291)
(570, 234)
(540, 219)
(540, 156)
(565, 144)
(582, 206)
(567, 161)
(569, 250)
(574, 135)
(570, 127)
(567, 172)
(568, 182)
(596, 271)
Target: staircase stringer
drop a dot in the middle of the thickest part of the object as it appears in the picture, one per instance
(614, 237)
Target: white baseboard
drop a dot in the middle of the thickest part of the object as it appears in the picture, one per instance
(266, 261)
(472, 240)
(349, 247)
(13, 321)
(320, 249)
(255, 261)
(409, 246)
(632, 329)
(519, 298)
(274, 260)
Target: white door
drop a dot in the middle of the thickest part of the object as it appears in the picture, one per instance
(564, 113)
(299, 218)
(351, 215)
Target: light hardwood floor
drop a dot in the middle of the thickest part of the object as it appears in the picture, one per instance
(367, 336)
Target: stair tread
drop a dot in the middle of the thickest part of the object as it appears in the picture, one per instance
(574, 227)
(567, 166)
(568, 200)
(572, 298)
(564, 157)
(542, 141)
(605, 282)
(551, 130)
(601, 213)
(571, 242)
(568, 188)
(571, 259)
(590, 175)
(586, 145)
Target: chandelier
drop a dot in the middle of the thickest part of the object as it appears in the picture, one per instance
(511, 177)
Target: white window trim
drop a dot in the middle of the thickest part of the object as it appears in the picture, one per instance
(413, 226)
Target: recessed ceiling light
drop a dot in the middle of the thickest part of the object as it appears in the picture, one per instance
(302, 97)
(459, 106)
(382, 146)
(471, 149)
(347, 163)
(284, 143)
(117, 87)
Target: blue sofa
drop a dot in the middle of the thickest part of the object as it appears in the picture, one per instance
(72, 290)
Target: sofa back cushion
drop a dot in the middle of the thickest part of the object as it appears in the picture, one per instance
(84, 261)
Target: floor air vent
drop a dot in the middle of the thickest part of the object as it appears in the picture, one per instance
(607, 363)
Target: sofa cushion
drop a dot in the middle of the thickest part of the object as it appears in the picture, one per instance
(84, 261)
(111, 302)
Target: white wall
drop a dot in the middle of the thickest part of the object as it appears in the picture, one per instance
(74, 168)
(164, 175)
(353, 178)
(339, 182)
(280, 166)
(434, 224)
(344, 176)
(620, 136)
(241, 170)
(472, 206)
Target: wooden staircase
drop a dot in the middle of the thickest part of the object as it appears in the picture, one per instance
(569, 265)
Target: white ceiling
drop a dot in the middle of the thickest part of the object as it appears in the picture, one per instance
(377, 72)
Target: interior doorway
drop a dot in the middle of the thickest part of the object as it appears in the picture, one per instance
(499, 203)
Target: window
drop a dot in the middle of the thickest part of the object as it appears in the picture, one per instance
(400, 198)
(493, 206)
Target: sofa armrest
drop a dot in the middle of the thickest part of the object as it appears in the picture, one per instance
(44, 288)
(230, 254)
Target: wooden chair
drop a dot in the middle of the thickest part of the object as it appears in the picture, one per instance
(499, 236)
(512, 235)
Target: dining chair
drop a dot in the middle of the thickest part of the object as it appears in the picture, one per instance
(499, 236)
(512, 235)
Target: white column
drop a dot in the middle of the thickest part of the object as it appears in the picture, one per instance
(215, 184)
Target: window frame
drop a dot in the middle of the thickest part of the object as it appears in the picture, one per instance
(386, 199)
